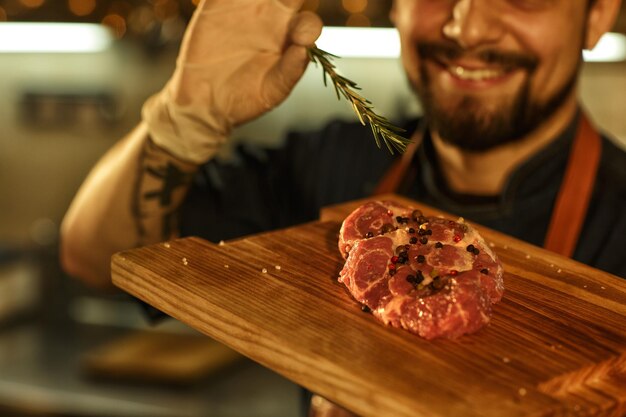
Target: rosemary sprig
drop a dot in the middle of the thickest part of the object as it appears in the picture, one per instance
(382, 129)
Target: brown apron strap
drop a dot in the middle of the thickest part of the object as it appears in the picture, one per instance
(572, 200)
(574, 195)
(391, 179)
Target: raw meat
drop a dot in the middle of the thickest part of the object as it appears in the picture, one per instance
(431, 276)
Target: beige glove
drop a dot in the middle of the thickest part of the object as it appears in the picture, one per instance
(238, 59)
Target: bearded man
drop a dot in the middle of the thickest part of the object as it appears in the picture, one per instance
(497, 80)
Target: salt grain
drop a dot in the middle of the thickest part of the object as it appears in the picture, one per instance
(226, 266)
(264, 270)
(278, 267)
(221, 243)
(559, 270)
(602, 288)
(522, 392)
(506, 360)
(527, 256)
(185, 261)
(166, 244)
(492, 245)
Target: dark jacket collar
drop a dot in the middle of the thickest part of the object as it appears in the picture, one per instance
(540, 174)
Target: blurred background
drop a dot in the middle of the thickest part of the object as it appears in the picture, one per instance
(66, 350)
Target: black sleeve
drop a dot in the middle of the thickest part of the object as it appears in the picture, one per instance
(260, 189)
(230, 199)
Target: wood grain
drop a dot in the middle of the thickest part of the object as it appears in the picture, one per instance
(556, 344)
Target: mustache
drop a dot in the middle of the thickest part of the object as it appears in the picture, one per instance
(449, 52)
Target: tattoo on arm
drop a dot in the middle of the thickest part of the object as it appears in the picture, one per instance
(161, 184)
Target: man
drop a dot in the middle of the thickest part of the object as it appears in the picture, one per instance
(497, 80)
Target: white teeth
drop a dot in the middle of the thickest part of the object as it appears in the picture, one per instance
(474, 74)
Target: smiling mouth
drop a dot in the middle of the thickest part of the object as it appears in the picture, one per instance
(475, 74)
(477, 68)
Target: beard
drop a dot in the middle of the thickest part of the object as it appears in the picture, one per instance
(469, 124)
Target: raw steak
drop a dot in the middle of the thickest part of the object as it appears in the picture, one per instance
(431, 276)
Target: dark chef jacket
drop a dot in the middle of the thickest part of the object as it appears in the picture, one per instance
(261, 190)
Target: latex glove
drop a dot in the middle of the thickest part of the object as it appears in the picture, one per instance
(238, 59)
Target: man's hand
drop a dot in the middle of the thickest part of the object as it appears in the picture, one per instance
(238, 59)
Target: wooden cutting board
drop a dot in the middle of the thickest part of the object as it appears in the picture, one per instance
(556, 344)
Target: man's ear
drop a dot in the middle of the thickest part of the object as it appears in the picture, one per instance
(600, 19)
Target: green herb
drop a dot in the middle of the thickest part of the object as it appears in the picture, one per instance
(382, 129)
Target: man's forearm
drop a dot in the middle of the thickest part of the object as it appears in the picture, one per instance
(160, 186)
(129, 199)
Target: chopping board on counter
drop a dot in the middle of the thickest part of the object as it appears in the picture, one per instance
(556, 345)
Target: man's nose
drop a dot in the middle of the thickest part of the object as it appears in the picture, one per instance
(473, 23)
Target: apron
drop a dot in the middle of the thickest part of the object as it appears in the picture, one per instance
(572, 201)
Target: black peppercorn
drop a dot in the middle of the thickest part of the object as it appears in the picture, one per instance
(439, 245)
(424, 240)
(415, 279)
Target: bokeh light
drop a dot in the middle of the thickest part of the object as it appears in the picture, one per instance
(358, 20)
(354, 6)
(141, 19)
(158, 22)
(32, 3)
(81, 7)
(117, 23)
(166, 9)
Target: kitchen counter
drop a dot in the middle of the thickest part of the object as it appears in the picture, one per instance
(41, 373)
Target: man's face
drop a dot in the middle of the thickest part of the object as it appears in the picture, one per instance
(490, 71)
